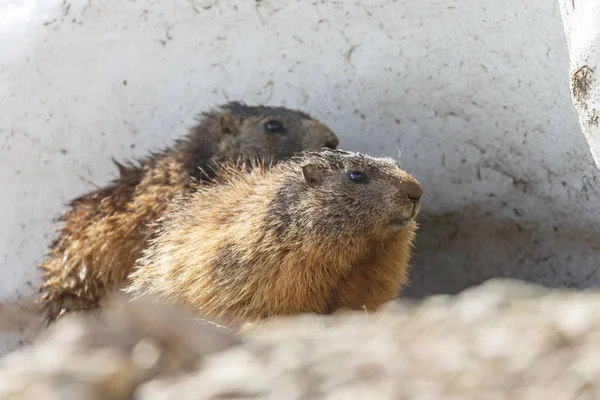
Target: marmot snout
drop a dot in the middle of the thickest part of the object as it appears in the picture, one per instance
(327, 230)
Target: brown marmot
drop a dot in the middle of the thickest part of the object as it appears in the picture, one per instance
(323, 231)
(105, 230)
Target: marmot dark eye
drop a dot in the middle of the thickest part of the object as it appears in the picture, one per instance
(274, 127)
(358, 177)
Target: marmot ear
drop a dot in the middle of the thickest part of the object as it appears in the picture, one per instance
(313, 174)
(228, 125)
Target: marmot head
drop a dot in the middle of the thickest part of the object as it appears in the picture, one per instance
(269, 133)
(345, 194)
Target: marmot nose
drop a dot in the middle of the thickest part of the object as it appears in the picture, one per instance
(332, 142)
(414, 191)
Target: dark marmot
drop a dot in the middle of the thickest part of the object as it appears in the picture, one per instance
(324, 231)
(105, 230)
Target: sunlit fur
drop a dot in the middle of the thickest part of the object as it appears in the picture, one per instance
(269, 243)
(105, 230)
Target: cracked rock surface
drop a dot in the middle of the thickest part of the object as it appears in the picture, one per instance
(501, 340)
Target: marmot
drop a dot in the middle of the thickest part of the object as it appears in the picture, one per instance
(105, 230)
(322, 231)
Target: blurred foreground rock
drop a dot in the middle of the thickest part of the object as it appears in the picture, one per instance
(501, 340)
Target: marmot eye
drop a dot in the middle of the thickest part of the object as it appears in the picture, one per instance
(274, 127)
(358, 177)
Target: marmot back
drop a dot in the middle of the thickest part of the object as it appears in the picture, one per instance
(105, 230)
(316, 233)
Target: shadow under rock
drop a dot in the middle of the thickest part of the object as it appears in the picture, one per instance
(456, 250)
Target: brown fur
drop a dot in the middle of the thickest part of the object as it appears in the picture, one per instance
(105, 230)
(299, 237)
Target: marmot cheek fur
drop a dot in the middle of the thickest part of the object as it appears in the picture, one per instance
(323, 231)
(105, 230)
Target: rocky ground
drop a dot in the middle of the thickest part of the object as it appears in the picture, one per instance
(502, 340)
